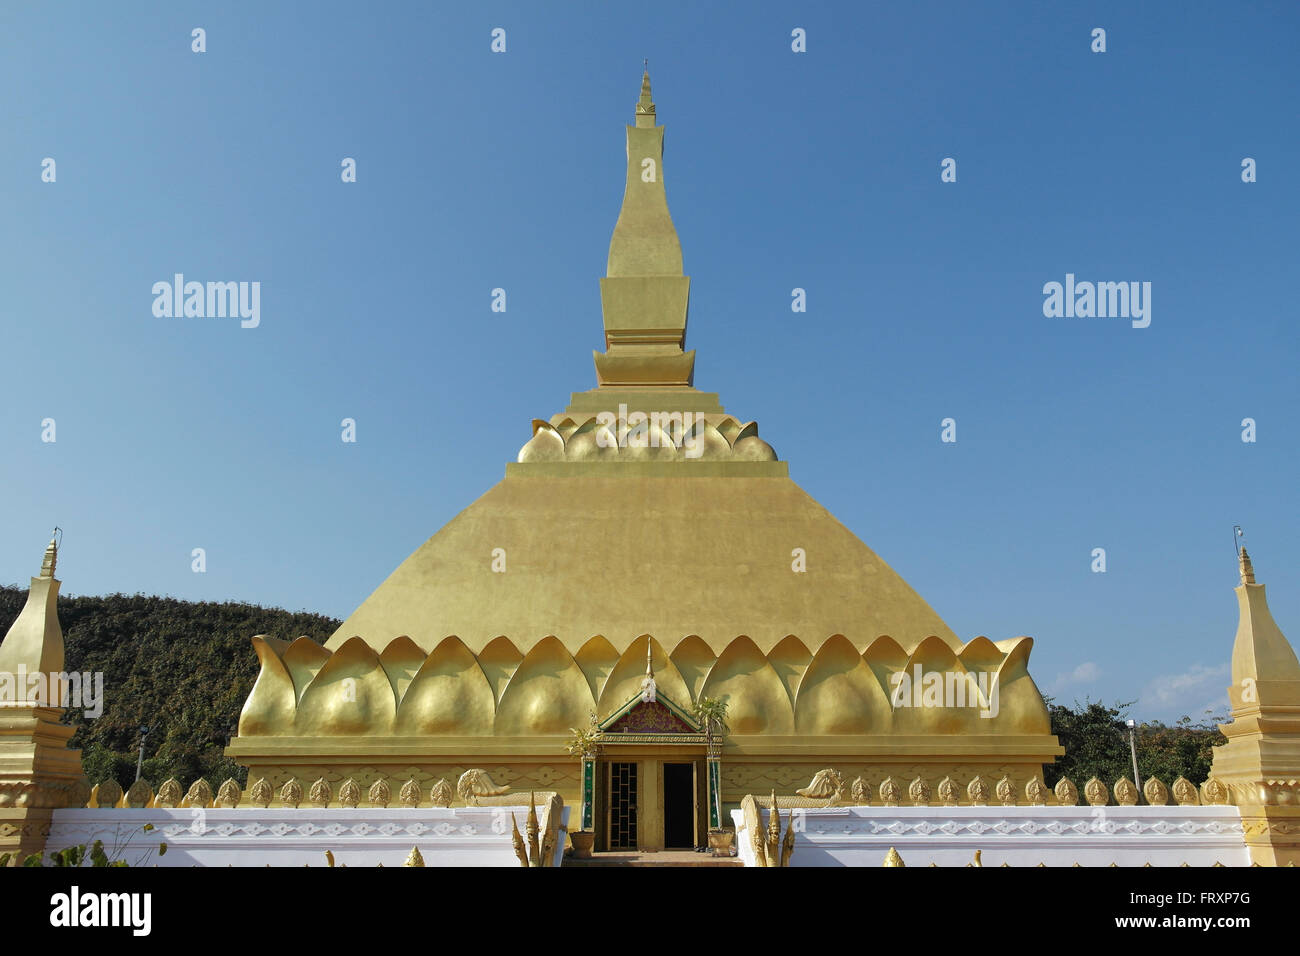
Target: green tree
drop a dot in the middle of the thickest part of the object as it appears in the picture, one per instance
(1096, 741)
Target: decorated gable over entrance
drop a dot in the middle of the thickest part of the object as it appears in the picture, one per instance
(653, 717)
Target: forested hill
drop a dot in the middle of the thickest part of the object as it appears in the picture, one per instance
(182, 668)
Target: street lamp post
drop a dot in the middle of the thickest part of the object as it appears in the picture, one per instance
(1132, 746)
(144, 732)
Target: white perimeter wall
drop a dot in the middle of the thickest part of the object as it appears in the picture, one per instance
(462, 836)
(1020, 836)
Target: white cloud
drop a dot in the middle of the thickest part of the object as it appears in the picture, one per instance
(1085, 673)
(1192, 693)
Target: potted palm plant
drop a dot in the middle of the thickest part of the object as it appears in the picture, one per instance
(585, 744)
(711, 713)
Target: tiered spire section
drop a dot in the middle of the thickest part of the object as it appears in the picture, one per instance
(644, 412)
(645, 296)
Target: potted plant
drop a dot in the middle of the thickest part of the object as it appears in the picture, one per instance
(584, 744)
(711, 713)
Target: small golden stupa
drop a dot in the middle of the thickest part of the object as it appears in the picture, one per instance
(646, 550)
(1259, 766)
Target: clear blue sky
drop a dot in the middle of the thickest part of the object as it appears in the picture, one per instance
(817, 170)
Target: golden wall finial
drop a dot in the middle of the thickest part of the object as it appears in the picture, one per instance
(200, 794)
(1214, 792)
(228, 794)
(169, 794)
(1155, 791)
(410, 794)
(441, 794)
(349, 794)
(139, 795)
(320, 794)
(893, 859)
(1185, 793)
(108, 794)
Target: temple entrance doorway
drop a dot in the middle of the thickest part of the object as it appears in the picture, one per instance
(651, 791)
(679, 806)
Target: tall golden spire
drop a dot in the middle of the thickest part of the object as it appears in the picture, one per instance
(644, 296)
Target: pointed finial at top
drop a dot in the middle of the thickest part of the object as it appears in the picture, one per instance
(645, 106)
(649, 690)
(51, 554)
(1247, 569)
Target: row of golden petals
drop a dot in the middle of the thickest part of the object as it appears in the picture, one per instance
(591, 438)
(305, 662)
(892, 858)
(320, 794)
(979, 793)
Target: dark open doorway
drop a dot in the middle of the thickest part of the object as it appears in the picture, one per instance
(679, 805)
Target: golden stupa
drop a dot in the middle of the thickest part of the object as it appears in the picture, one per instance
(645, 552)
